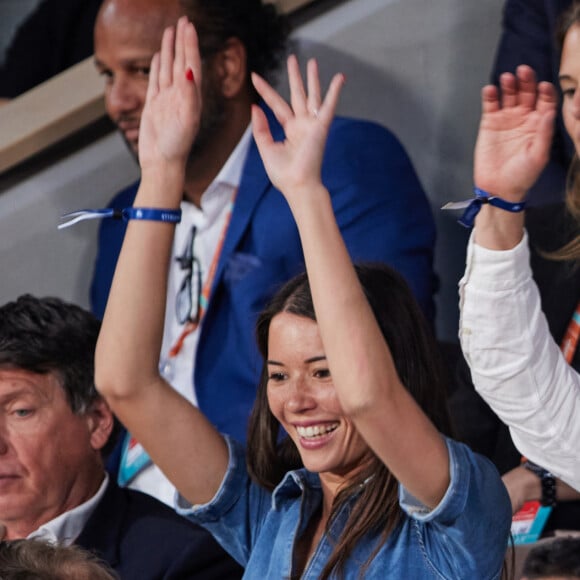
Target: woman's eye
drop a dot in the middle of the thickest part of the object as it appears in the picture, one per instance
(322, 373)
(22, 412)
(568, 93)
(276, 376)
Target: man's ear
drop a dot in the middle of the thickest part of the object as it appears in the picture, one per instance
(101, 422)
(230, 68)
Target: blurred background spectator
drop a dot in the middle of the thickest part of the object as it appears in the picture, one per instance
(557, 560)
(55, 35)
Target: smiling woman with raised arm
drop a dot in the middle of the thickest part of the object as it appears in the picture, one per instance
(347, 471)
(515, 363)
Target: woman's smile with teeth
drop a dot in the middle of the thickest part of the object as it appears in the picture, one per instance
(315, 430)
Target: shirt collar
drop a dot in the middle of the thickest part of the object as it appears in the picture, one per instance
(65, 528)
(225, 183)
(231, 171)
(300, 482)
(294, 484)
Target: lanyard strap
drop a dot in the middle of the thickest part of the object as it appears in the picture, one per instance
(191, 326)
(570, 340)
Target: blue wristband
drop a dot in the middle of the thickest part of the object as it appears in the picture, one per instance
(172, 216)
(473, 206)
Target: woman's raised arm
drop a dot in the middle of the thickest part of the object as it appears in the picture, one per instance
(176, 435)
(513, 146)
(367, 384)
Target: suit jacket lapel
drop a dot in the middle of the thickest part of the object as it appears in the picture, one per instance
(253, 185)
(102, 532)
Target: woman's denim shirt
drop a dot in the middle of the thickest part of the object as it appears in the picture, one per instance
(464, 537)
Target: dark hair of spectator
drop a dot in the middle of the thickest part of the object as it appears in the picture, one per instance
(48, 335)
(560, 557)
(43, 335)
(260, 28)
(38, 560)
(415, 355)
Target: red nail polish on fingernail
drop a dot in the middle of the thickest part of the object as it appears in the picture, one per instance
(189, 75)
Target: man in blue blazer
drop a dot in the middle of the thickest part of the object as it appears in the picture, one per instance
(54, 431)
(380, 206)
(529, 37)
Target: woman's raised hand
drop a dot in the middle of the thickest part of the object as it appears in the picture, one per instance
(515, 134)
(294, 164)
(170, 119)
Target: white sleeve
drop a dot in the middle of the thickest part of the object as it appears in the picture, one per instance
(515, 364)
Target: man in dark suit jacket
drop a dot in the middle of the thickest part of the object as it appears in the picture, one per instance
(381, 208)
(142, 538)
(529, 37)
(54, 428)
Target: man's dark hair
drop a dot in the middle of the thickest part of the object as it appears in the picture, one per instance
(558, 558)
(48, 335)
(260, 28)
(44, 335)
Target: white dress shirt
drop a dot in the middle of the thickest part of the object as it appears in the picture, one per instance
(66, 528)
(516, 365)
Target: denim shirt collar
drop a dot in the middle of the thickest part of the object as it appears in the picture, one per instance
(296, 483)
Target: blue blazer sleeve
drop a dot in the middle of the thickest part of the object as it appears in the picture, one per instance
(381, 208)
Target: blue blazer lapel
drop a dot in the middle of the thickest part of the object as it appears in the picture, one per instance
(253, 185)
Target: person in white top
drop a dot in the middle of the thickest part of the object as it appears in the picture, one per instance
(516, 366)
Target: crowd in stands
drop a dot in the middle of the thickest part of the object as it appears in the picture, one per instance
(265, 395)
